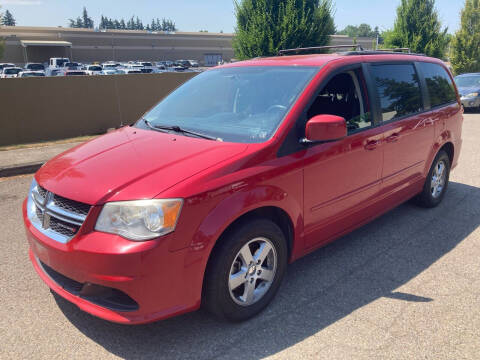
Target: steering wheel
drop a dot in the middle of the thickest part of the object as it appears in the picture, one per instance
(276, 108)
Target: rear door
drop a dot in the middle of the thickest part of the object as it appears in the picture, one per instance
(407, 129)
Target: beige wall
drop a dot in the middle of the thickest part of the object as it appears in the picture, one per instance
(41, 109)
(124, 45)
(118, 45)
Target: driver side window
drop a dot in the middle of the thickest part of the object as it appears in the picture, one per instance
(345, 96)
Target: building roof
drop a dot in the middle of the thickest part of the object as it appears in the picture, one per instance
(26, 43)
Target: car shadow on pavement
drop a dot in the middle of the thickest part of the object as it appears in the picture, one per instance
(372, 263)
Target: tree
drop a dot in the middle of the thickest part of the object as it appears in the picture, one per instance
(2, 44)
(466, 42)
(87, 21)
(266, 26)
(418, 28)
(8, 19)
(362, 30)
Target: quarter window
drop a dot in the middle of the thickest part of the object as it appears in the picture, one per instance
(439, 84)
(398, 89)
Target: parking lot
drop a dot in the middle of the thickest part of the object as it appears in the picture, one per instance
(405, 286)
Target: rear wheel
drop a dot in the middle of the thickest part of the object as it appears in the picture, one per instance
(436, 183)
(246, 270)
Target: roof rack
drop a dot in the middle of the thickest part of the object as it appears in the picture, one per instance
(407, 50)
(309, 49)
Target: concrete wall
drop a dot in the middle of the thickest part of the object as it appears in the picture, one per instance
(41, 109)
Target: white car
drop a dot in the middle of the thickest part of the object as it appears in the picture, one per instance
(5, 65)
(94, 70)
(10, 72)
(28, 73)
(147, 67)
(130, 71)
(111, 72)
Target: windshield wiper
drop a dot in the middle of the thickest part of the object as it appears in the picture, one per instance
(178, 129)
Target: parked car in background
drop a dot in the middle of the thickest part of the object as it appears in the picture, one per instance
(184, 63)
(6, 65)
(10, 72)
(55, 65)
(28, 73)
(94, 70)
(130, 71)
(111, 65)
(193, 63)
(111, 72)
(75, 73)
(147, 67)
(241, 170)
(35, 67)
(469, 88)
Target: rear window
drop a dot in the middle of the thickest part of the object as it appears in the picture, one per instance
(398, 88)
(439, 84)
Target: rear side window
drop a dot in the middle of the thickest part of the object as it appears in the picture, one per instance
(398, 88)
(439, 84)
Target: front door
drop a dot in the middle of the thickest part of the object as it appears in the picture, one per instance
(342, 177)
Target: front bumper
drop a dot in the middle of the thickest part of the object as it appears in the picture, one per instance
(469, 103)
(158, 281)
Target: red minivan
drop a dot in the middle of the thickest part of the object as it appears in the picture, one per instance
(238, 172)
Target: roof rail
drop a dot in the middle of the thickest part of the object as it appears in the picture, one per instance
(407, 50)
(313, 48)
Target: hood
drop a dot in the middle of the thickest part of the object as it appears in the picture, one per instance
(465, 90)
(130, 164)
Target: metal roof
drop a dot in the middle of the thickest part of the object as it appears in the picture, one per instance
(26, 43)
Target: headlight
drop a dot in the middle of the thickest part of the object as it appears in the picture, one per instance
(140, 220)
(472, 95)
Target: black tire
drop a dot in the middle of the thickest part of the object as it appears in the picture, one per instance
(426, 198)
(217, 297)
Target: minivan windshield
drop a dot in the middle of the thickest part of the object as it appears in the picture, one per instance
(237, 104)
(468, 81)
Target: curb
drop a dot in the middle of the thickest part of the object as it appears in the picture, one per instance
(23, 169)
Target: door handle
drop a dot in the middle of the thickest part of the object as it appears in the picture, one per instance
(372, 144)
(392, 138)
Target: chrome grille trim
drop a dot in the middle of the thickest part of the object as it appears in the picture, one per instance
(56, 217)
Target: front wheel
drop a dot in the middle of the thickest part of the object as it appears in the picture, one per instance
(436, 183)
(246, 270)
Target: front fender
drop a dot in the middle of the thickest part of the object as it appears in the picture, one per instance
(243, 202)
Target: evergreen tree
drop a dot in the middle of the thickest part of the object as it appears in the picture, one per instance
(122, 24)
(153, 25)
(8, 19)
(2, 43)
(131, 24)
(417, 27)
(266, 26)
(87, 21)
(138, 24)
(466, 43)
(116, 24)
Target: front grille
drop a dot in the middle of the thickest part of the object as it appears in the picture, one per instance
(42, 192)
(71, 205)
(63, 227)
(57, 217)
(106, 297)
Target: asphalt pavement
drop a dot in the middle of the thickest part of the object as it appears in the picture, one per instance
(406, 286)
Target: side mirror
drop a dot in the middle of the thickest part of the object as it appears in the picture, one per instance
(325, 128)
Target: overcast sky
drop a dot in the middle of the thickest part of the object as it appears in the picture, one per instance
(211, 15)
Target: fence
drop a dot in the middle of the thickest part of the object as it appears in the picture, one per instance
(52, 108)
